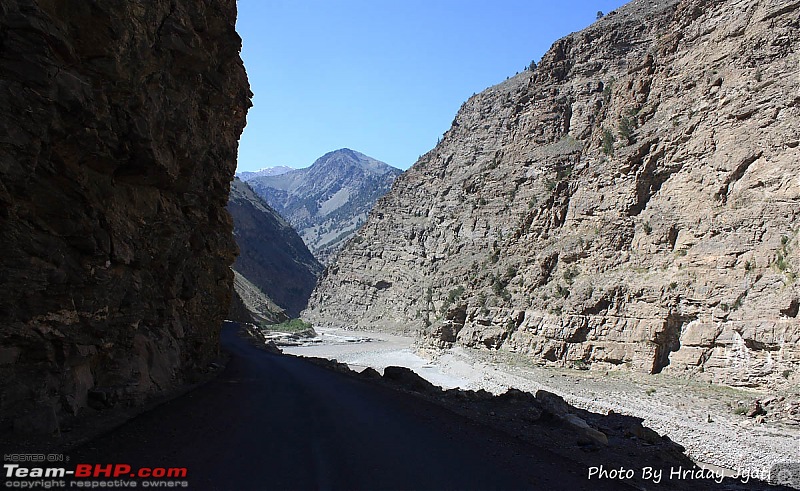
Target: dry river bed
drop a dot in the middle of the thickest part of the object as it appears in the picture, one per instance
(697, 415)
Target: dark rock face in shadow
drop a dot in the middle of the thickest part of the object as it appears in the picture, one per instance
(271, 254)
(120, 123)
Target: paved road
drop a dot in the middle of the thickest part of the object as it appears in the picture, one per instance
(277, 422)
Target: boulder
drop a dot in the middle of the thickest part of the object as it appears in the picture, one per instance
(408, 379)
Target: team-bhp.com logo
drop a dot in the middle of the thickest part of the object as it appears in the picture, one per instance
(124, 470)
(95, 470)
(93, 476)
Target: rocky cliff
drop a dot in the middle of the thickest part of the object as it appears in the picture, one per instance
(633, 202)
(119, 124)
(271, 254)
(327, 202)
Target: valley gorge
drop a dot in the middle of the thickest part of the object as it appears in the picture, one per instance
(627, 207)
(631, 203)
(272, 256)
(120, 124)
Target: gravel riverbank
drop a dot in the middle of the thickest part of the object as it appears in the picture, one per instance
(701, 417)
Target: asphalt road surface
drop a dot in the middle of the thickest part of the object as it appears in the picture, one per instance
(278, 422)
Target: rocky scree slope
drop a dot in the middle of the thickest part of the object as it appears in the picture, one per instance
(631, 203)
(327, 202)
(250, 305)
(271, 254)
(120, 123)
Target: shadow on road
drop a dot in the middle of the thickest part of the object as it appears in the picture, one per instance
(270, 421)
(609, 447)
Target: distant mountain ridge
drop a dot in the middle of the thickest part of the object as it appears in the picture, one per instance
(267, 171)
(271, 254)
(328, 201)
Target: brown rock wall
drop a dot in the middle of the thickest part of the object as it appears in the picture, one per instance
(632, 202)
(119, 124)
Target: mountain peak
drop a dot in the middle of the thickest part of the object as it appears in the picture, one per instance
(328, 201)
(345, 157)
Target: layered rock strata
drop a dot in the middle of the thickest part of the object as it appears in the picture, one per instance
(633, 202)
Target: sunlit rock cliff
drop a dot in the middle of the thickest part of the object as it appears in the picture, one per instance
(631, 203)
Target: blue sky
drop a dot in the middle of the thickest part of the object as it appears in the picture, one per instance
(383, 77)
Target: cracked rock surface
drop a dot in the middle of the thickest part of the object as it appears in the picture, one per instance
(119, 124)
(632, 203)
